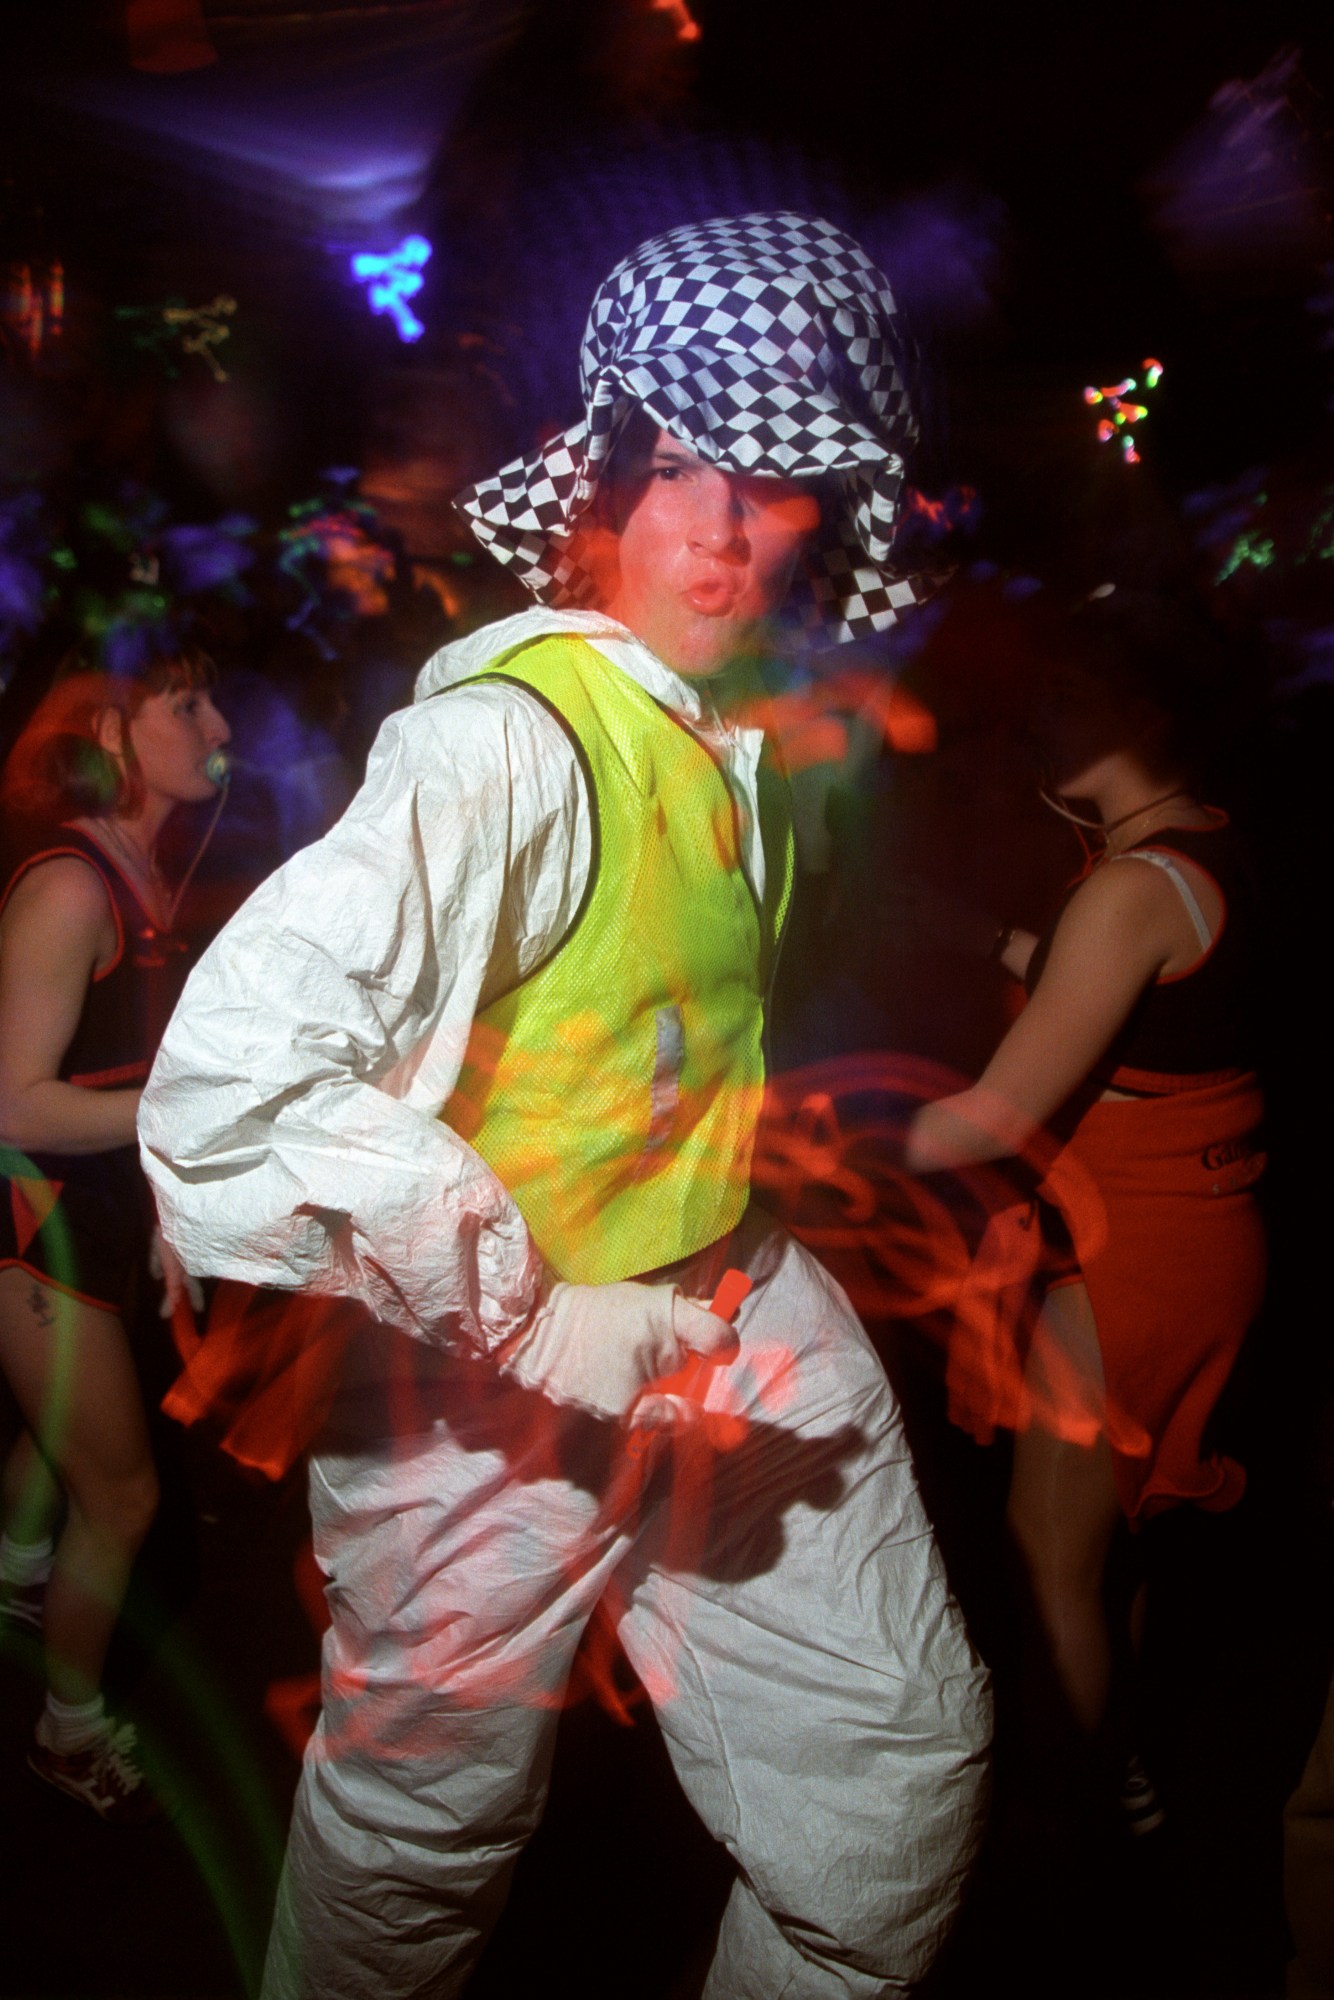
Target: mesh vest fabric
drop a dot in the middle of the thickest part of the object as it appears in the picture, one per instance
(616, 1090)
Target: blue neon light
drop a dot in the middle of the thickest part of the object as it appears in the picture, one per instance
(393, 280)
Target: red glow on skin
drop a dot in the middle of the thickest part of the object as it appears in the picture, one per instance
(700, 557)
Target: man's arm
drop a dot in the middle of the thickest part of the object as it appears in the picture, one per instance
(290, 1126)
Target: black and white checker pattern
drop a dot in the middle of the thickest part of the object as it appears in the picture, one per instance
(767, 344)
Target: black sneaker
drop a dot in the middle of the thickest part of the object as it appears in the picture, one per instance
(105, 1775)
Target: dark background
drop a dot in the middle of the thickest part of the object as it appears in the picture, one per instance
(1050, 191)
(1054, 198)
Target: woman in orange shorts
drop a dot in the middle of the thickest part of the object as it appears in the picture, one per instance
(1129, 1080)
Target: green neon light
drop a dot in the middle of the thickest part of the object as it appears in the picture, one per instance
(1247, 549)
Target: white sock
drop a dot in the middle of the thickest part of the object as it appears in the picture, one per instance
(25, 1562)
(73, 1725)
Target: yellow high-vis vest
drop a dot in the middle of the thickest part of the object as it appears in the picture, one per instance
(616, 1090)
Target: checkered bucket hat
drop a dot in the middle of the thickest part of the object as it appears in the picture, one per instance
(766, 344)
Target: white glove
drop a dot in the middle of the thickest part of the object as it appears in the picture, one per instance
(601, 1346)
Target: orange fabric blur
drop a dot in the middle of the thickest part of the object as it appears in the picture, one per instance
(1175, 1277)
(265, 1372)
(1157, 1195)
(809, 724)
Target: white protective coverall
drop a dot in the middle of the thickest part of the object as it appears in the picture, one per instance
(791, 1623)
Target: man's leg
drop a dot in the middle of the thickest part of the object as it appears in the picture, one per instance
(463, 1560)
(788, 1613)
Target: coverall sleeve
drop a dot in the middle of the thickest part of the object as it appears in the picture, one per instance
(291, 1127)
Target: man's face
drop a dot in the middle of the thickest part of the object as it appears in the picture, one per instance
(702, 556)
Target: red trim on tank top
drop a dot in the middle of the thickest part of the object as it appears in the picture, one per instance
(78, 854)
(1167, 1083)
(102, 1079)
(158, 929)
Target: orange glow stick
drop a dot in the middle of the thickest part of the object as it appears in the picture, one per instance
(691, 1380)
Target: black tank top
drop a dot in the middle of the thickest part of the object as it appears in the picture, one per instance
(1200, 1021)
(127, 1006)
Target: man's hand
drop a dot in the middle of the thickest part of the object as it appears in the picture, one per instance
(600, 1346)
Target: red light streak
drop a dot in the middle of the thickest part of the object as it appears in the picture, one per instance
(810, 724)
(34, 303)
(686, 26)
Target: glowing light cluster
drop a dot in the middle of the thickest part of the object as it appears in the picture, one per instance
(1119, 412)
(332, 552)
(33, 304)
(1251, 549)
(198, 329)
(201, 329)
(393, 279)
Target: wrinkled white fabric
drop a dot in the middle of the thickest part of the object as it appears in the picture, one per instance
(781, 1598)
(290, 1126)
(598, 1347)
(775, 1581)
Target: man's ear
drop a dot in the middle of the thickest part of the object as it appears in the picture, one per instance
(109, 729)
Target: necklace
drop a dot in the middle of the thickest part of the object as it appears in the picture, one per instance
(1107, 827)
(1111, 825)
(140, 868)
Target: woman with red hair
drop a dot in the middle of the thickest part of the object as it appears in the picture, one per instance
(89, 972)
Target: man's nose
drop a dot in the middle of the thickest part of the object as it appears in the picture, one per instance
(716, 526)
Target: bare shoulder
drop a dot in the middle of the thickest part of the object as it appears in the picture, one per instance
(1121, 921)
(65, 896)
(1130, 889)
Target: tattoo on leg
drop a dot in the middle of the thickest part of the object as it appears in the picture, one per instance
(43, 1310)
